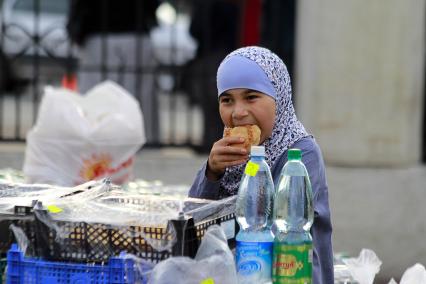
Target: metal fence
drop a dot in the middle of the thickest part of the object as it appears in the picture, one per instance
(165, 55)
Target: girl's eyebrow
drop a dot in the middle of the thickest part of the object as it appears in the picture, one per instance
(245, 92)
(249, 91)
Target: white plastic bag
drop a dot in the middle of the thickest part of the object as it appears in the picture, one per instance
(172, 43)
(79, 138)
(413, 275)
(214, 263)
(365, 267)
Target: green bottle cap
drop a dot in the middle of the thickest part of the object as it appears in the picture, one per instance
(294, 154)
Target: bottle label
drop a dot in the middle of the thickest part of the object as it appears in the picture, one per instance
(254, 260)
(292, 264)
(251, 168)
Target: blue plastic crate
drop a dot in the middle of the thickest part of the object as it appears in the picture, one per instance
(21, 269)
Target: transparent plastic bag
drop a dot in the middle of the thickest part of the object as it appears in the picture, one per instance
(20, 194)
(118, 220)
(98, 220)
(365, 267)
(214, 263)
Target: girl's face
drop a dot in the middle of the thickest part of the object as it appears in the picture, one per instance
(244, 106)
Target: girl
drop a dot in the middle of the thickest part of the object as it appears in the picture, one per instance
(254, 88)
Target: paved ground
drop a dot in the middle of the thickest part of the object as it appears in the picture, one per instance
(377, 208)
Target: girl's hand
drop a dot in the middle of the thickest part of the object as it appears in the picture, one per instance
(225, 153)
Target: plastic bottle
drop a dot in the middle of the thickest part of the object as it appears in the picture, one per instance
(293, 217)
(254, 215)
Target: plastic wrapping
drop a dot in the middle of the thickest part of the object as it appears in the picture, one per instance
(170, 207)
(21, 238)
(143, 187)
(141, 269)
(18, 194)
(98, 220)
(128, 214)
(72, 217)
(17, 221)
(110, 204)
(11, 175)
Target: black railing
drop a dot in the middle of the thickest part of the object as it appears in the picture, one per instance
(180, 104)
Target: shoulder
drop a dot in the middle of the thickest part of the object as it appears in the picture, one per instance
(311, 151)
(311, 155)
(309, 147)
(306, 143)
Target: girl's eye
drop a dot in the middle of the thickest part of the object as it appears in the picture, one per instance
(252, 97)
(225, 100)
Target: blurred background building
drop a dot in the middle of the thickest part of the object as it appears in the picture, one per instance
(358, 78)
(179, 47)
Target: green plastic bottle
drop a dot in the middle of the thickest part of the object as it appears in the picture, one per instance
(293, 218)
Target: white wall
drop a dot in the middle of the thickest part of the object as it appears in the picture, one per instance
(360, 78)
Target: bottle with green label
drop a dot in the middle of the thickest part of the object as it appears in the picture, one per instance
(254, 207)
(293, 217)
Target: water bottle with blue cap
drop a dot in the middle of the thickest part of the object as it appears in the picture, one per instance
(254, 207)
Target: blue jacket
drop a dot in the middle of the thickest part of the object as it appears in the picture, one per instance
(321, 230)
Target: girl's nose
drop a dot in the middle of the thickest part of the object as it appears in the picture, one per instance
(239, 112)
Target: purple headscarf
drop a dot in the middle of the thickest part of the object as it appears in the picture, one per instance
(287, 128)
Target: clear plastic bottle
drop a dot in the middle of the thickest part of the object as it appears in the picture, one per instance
(254, 215)
(293, 218)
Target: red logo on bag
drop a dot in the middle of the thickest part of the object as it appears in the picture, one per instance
(95, 167)
(99, 166)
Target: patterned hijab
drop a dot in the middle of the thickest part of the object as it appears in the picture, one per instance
(287, 128)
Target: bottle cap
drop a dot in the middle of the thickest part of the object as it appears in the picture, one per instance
(294, 154)
(257, 151)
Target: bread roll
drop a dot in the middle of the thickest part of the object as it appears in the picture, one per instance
(250, 133)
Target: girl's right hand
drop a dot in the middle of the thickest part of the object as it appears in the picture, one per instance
(225, 153)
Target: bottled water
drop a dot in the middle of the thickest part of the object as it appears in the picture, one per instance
(293, 217)
(254, 215)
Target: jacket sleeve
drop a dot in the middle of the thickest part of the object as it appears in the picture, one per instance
(323, 269)
(204, 188)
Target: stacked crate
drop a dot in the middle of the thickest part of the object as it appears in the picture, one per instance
(95, 253)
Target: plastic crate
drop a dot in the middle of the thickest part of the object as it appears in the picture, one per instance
(26, 270)
(99, 242)
(22, 218)
(3, 263)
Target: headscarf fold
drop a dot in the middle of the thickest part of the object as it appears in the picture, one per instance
(287, 128)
